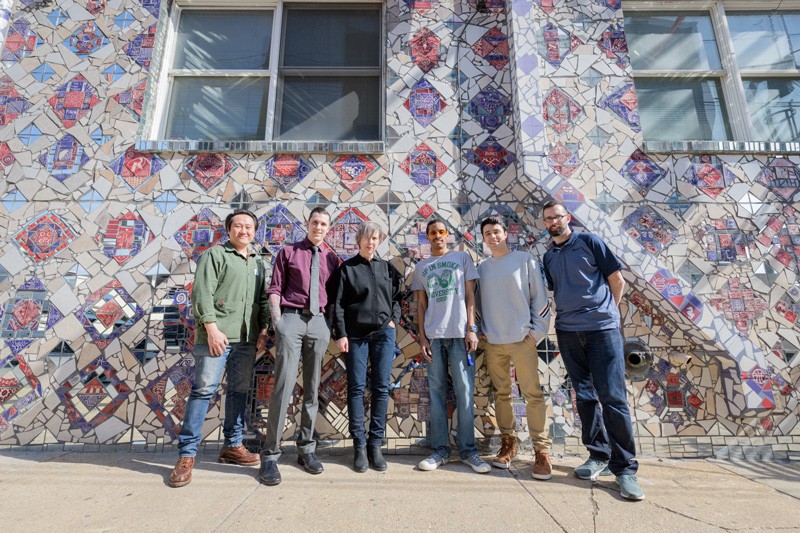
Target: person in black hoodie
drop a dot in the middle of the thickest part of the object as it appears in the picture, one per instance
(366, 311)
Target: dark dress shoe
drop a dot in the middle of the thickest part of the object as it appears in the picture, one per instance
(310, 463)
(360, 461)
(376, 459)
(269, 474)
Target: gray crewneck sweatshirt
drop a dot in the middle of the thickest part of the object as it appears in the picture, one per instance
(512, 298)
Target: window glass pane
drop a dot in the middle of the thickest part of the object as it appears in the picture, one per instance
(658, 41)
(332, 38)
(223, 40)
(218, 109)
(682, 110)
(775, 109)
(330, 109)
(766, 40)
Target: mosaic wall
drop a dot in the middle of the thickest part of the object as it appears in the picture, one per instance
(486, 113)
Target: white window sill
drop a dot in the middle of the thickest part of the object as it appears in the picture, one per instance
(720, 147)
(301, 147)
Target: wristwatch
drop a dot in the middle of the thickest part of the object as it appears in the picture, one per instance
(473, 328)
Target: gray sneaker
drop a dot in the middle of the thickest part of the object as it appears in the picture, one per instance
(477, 464)
(591, 469)
(432, 462)
(629, 487)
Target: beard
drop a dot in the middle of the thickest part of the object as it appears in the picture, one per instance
(557, 231)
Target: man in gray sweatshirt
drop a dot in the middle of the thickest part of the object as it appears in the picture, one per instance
(515, 316)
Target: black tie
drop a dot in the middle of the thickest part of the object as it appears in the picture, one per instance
(314, 287)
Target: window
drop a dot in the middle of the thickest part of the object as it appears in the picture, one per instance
(721, 74)
(295, 72)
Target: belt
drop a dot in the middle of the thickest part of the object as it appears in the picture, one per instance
(296, 311)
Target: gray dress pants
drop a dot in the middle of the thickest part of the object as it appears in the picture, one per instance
(296, 335)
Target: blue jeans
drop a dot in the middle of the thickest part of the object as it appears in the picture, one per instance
(377, 348)
(239, 359)
(452, 352)
(596, 366)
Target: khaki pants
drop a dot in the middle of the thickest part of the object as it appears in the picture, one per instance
(526, 362)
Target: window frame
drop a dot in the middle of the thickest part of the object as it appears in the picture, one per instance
(274, 73)
(731, 76)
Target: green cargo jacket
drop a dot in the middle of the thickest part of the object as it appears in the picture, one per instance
(230, 290)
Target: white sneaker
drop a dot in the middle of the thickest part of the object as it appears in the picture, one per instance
(432, 462)
(477, 464)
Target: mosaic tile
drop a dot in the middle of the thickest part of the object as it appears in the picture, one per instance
(91, 200)
(564, 158)
(342, 236)
(152, 6)
(614, 45)
(95, 6)
(709, 175)
(124, 237)
(555, 43)
(136, 168)
(423, 166)
(28, 314)
(426, 49)
(624, 103)
(420, 6)
(167, 394)
(73, 100)
(44, 236)
(278, 228)
(108, 313)
(19, 389)
(92, 395)
(782, 177)
(724, 242)
(287, 170)
(200, 233)
(61, 354)
(491, 158)
(642, 172)
(124, 19)
(64, 158)
(86, 40)
(491, 108)
(758, 381)
(209, 170)
(20, 41)
(140, 49)
(43, 72)
(782, 235)
(493, 47)
(560, 111)
(13, 200)
(649, 229)
(133, 98)
(424, 102)
(99, 138)
(12, 104)
(354, 170)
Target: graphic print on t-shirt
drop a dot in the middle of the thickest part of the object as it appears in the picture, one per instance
(441, 280)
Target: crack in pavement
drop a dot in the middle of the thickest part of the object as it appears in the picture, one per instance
(515, 474)
(595, 506)
(225, 518)
(690, 517)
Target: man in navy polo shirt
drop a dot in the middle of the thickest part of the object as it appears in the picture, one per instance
(587, 285)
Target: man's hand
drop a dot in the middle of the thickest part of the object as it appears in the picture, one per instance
(343, 344)
(471, 341)
(425, 348)
(217, 341)
(261, 343)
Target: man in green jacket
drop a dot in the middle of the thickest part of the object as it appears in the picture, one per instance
(230, 306)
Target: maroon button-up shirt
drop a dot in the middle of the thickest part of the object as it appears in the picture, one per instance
(291, 275)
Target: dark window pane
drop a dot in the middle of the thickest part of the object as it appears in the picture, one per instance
(330, 109)
(678, 110)
(332, 38)
(218, 109)
(223, 40)
(774, 108)
(657, 41)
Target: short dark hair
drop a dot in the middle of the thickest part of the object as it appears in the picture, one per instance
(494, 221)
(433, 221)
(229, 218)
(554, 203)
(319, 211)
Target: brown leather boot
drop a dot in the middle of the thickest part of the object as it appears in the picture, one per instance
(542, 468)
(238, 455)
(507, 453)
(182, 473)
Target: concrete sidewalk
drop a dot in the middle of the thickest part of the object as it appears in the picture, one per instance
(129, 492)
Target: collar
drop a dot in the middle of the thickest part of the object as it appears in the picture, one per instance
(566, 243)
(306, 244)
(229, 248)
(360, 258)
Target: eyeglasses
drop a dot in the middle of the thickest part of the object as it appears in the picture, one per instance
(550, 220)
(439, 232)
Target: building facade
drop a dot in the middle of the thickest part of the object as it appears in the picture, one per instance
(130, 128)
